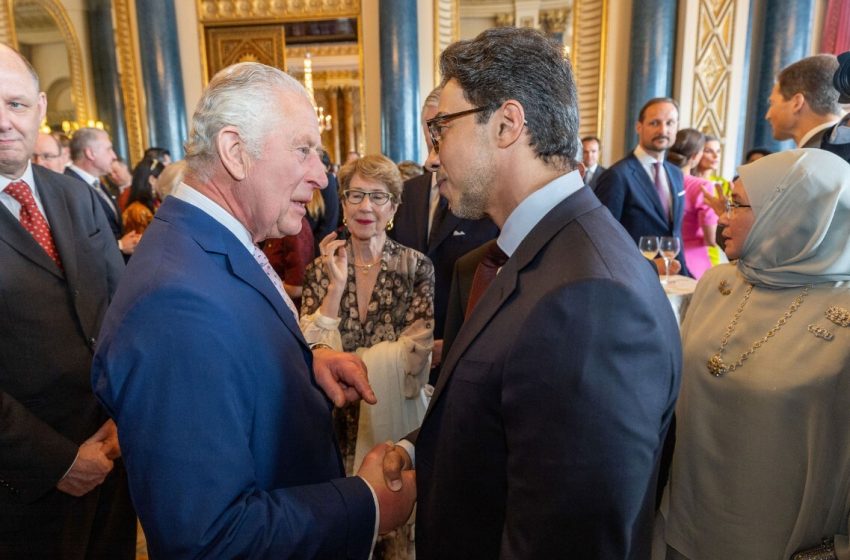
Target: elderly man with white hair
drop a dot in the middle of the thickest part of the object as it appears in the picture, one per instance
(219, 401)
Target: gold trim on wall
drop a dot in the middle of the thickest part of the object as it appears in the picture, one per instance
(129, 69)
(318, 51)
(231, 11)
(79, 90)
(7, 27)
(713, 67)
(446, 30)
(590, 35)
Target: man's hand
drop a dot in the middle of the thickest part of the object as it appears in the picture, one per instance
(107, 436)
(437, 353)
(88, 471)
(127, 244)
(395, 462)
(342, 376)
(395, 506)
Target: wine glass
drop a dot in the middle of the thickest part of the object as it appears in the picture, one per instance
(669, 247)
(648, 245)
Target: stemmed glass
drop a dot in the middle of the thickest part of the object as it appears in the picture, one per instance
(669, 247)
(648, 245)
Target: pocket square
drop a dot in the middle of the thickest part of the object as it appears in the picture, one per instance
(680, 193)
(458, 232)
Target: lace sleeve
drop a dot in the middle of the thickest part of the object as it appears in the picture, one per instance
(315, 327)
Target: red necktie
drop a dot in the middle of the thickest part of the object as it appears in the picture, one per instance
(32, 219)
(485, 273)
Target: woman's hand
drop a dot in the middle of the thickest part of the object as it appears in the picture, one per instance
(716, 200)
(335, 259)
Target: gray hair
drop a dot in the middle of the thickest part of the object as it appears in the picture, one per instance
(812, 77)
(82, 139)
(433, 98)
(522, 64)
(241, 96)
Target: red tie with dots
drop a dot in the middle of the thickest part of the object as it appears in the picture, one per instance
(33, 220)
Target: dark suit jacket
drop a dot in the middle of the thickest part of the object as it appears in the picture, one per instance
(543, 436)
(462, 277)
(451, 238)
(227, 439)
(112, 216)
(627, 191)
(596, 174)
(50, 323)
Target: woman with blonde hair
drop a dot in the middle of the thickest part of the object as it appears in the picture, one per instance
(371, 295)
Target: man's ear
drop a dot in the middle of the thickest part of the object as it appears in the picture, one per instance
(511, 121)
(797, 102)
(232, 153)
(42, 106)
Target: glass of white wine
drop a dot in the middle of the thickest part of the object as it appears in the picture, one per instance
(648, 245)
(669, 248)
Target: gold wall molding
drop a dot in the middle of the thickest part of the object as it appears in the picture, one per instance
(554, 21)
(229, 11)
(713, 66)
(7, 27)
(505, 19)
(129, 69)
(79, 90)
(590, 30)
(252, 43)
(319, 50)
(446, 30)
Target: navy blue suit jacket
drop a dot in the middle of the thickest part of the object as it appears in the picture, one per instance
(627, 191)
(112, 215)
(562, 381)
(227, 439)
(452, 238)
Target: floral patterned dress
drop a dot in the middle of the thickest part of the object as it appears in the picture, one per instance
(394, 339)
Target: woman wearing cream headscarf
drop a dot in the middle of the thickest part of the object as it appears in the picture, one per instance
(762, 462)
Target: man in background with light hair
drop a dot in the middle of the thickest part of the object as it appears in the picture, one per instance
(48, 153)
(225, 429)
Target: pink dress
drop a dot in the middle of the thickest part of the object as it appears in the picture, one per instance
(697, 214)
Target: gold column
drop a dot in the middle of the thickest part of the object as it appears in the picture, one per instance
(333, 108)
(348, 115)
(588, 60)
(7, 24)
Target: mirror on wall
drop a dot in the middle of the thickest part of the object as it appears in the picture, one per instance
(41, 41)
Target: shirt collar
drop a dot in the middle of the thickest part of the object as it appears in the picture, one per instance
(530, 211)
(644, 158)
(87, 177)
(815, 130)
(26, 177)
(200, 201)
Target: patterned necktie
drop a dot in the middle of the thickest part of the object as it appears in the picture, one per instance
(661, 189)
(485, 273)
(270, 272)
(33, 220)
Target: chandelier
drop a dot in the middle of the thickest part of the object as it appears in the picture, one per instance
(324, 120)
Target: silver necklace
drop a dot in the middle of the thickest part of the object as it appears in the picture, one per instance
(717, 367)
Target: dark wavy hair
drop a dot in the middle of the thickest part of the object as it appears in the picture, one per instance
(141, 189)
(523, 64)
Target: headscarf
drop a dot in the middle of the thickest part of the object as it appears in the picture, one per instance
(801, 233)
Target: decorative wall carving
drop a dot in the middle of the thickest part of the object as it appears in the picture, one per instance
(554, 21)
(446, 30)
(713, 66)
(210, 11)
(7, 29)
(319, 51)
(588, 59)
(126, 46)
(505, 19)
(254, 43)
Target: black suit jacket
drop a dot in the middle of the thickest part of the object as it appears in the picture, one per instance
(452, 237)
(627, 191)
(544, 433)
(113, 215)
(51, 319)
(596, 174)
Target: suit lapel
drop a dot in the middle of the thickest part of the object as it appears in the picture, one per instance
(443, 229)
(61, 226)
(14, 234)
(645, 186)
(505, 283)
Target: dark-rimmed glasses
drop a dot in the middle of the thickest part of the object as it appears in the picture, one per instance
(378, 198)
(435, 125)
(731, 205)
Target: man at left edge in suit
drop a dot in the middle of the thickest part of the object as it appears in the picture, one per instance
(91, 158)
(63, 490)
(643, 191)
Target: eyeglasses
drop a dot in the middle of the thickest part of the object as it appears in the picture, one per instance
(378, 198)
(435, 125)
(731, 205)
(47, 156)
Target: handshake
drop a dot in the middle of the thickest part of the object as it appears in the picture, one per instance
(387, 468)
